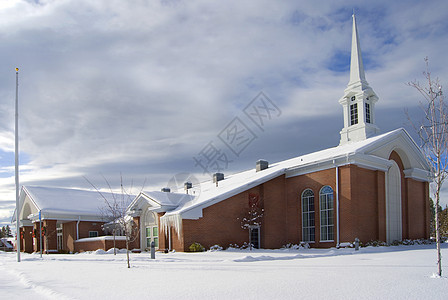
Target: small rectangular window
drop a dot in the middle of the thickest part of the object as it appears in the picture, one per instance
(354, 114)
(367, 113)
(93, 233)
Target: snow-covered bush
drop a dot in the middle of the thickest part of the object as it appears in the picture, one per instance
(216, 248)
(375, 243)
(196, 247)
(405, 242)
(292, 246)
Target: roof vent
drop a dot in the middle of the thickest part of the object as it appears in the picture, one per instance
(218, 177)
(261, 165)
(166, 190)
(187, 185)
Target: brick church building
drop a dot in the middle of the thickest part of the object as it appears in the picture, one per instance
(371, 186)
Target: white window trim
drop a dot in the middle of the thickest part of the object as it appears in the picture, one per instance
(327, 210)
(314, 211)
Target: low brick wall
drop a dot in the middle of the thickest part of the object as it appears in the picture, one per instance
(103, 242)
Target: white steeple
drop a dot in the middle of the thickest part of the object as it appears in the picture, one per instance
(359, 99)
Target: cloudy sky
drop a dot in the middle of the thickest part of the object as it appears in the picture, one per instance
(143, 88)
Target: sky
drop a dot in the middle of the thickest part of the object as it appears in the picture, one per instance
(142, 91)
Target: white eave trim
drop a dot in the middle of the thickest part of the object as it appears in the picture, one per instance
(372, 162)
(67, 217)
(361, 160)
(418, 174)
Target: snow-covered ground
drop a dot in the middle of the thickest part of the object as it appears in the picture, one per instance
(398, 272)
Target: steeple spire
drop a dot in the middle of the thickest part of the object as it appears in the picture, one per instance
(359, 98)
(357, 74)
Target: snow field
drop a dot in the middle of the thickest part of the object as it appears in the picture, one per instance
(400, 272)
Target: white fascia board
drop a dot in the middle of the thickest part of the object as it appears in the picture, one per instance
(418, 174)
(140, 202)
(67, 217)
(361, 160)
(372, 162)
(329, 163)
(133, 202)
(309, 168)
(25, 223)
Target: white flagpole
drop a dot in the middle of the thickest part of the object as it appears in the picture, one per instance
(18, 239)
(40, 226)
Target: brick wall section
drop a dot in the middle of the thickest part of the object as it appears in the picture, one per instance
(27, 243)
(69, 236)
(274, 225)
(178, 240)
(85, 227)
(294, 189)
(50, 241)
(69, 232)
(428, 211)
(220, 224)
(364, 207)
(381, 221)
(99, 244)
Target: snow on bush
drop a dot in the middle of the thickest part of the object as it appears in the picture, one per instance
(216, 248)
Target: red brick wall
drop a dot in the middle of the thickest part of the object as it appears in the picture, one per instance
(50, 241)
(274, 227)
(85, 227)
(381, 182)
(220, 224)
(27, 243)
(364, 204)
(69, 236)
(294, 189)
(362, 210)
(69, 232)
(99, 244)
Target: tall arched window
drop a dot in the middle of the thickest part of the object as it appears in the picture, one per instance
(151, 229)
(326, 214)
(308, 229)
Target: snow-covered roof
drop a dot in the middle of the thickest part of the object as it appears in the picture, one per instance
(158, 201)
(372, 153)
(62, 203)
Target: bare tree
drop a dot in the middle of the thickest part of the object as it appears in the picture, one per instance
(115, 208)
(252, 218)
(433, 134)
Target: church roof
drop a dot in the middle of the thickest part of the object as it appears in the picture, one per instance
(372, 153)
(63, 203)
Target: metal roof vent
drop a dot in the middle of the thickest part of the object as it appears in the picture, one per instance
(166, 190)
(187, 185)
(261, 165)
(218, 177)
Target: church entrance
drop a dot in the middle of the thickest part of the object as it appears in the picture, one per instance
(254, 233)
(393, 204)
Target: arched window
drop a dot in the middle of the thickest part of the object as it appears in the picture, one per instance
(308, 229)
(326, 214)
(151, 229)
